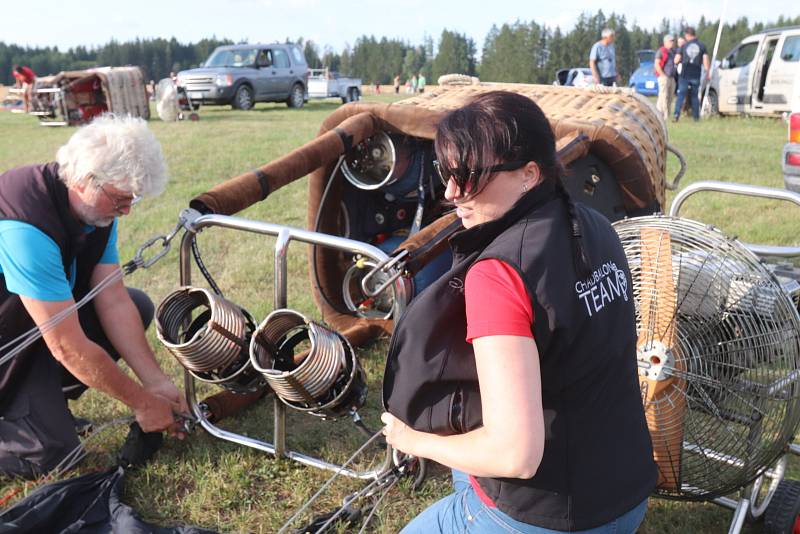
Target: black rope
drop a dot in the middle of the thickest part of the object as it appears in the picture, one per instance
(421, 193)
(348, 516)
(202, 266)
(315, 248)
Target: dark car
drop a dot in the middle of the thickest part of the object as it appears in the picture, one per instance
(241, 75)
(644, 79)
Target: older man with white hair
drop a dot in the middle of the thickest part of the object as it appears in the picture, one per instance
(58, 236)
(603, 59)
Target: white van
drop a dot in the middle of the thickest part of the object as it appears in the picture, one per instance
(759, 75)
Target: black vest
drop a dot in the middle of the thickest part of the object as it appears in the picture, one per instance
(35, 195)
(598, 461)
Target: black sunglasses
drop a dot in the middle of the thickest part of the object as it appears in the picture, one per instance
(461, 180)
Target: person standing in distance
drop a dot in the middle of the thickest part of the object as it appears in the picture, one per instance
(603, 59)
(664, 66)
(692, 57)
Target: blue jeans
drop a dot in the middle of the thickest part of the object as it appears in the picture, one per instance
(692, 87)
(463, 512)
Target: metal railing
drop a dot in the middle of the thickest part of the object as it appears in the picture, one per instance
(744, 190)
(284, 235)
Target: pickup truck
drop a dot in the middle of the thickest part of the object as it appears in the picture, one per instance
(324, 83)
(241, 75)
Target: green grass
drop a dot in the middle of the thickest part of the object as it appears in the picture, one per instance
(219, 485)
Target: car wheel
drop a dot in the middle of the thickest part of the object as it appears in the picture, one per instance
(713, 102)
(296, 97)
(783, 513)
(243, 99)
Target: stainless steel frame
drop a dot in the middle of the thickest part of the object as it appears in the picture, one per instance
(745, 190)
(284, 236)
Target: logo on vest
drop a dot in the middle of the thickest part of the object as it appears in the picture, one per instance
(456, 284)
(606, 284)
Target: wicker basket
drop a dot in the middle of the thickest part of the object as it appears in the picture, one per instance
(633, 119)
(614, 125)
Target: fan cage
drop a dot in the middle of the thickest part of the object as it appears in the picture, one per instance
(735, 361)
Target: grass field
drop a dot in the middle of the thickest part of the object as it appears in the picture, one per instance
(218, 485)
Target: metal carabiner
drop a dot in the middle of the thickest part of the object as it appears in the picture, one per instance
(165, 240)
(394, 263)
(139, 260)
(187, 422)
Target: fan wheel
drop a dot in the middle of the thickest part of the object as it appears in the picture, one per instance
(783, 513)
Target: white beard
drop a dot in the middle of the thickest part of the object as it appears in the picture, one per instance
(88, 215)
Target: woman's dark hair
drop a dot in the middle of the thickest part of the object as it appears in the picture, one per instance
(494, 128)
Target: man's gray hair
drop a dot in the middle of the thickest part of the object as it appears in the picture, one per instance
(668, 37)
(607, 32)
(116, 150)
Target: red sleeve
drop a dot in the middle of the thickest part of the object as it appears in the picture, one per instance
(497, 301)
(30, 76)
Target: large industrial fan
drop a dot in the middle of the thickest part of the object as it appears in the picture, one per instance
(718, 355)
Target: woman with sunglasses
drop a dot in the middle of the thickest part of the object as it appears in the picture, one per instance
(517, 368)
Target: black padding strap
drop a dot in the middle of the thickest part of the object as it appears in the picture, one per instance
(347, 139)
(263, 181)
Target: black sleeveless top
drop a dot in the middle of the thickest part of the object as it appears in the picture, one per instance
(36, 195)
(598, 460)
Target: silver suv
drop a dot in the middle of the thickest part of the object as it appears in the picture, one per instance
(241, 75)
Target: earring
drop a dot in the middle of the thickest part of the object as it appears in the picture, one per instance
(524, 187)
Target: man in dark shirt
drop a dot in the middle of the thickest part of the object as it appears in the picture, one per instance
(692, 57)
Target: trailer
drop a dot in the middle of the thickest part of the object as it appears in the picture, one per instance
(73, 98)
(325, 83)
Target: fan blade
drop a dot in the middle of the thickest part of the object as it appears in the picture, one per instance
(664, 401)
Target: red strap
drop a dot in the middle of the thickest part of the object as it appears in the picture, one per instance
(480, 493)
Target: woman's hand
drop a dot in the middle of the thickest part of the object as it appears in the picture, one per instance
(399, 435)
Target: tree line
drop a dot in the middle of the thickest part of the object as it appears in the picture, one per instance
(522, 51)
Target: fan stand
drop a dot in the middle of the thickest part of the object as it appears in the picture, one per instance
(194, 223)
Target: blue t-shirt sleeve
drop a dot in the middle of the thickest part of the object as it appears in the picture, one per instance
(31, 263)
(111, 254)
(593, 52)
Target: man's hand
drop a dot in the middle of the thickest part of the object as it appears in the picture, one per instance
(155, 413)
(164, 387)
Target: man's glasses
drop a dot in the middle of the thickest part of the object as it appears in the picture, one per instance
(463, 180)
(120, 203)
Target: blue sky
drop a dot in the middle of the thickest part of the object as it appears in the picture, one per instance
(333, 23)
